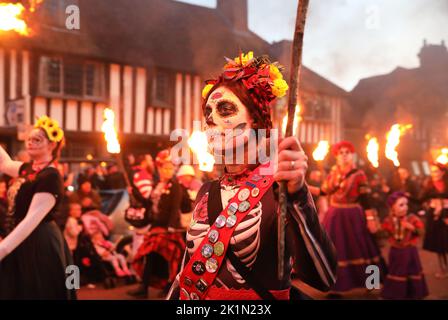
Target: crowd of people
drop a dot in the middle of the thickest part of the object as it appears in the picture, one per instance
(403, 210)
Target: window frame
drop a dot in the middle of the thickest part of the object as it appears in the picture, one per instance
(43, 79)
(170, 90)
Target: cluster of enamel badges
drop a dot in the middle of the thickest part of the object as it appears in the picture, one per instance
(202, 269)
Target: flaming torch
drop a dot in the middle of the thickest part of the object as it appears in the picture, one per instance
(111, 137)
(198, 145)
(297, 119)
(443, 156)
(321, 150)
(12, 16)
(372, 151)
(393, 140)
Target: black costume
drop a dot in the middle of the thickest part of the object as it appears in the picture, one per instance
(436, 235)
(36, 269)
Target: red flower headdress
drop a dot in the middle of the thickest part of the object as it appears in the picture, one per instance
(262, 79)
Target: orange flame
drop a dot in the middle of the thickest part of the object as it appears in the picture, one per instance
(372, 151)
(393, 140)
(198, 145)
(12, 16)
(443, 156)
(110, 134)
(34, 4)
(321, 150)
(297, 120)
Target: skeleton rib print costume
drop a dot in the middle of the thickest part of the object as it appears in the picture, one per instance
(238, 100)
(245, 242)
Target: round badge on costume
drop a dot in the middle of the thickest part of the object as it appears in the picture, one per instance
(231, 220)
(219, 248)
(220, 221)
(188, 282)
(255, 192)
(207, 251)
(233, 208)
(198, 268)
(213, 236)
(244, 206)
(243, 194)
(211, 265)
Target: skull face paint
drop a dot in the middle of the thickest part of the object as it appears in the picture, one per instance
(37, 144)
(226, 118)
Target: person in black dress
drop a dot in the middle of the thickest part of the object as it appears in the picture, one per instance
(435, 196)
(34, 254)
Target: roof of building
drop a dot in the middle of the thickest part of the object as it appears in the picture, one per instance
(163, 33)
(413, 91)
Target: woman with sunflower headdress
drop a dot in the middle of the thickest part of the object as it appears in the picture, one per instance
(34, 254)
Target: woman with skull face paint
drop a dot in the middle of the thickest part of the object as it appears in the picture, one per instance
(34, 254)
(232, 239)
(349, 219)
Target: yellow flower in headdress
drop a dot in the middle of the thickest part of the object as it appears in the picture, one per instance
(52, 123)
(275, 72)
(206, 90)
(42, 122)
(55, 134)
(244, 59)
(279, 88)
(51, 128)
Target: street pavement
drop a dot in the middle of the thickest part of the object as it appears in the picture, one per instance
(438, 288)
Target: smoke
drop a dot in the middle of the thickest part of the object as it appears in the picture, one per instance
(347, 40)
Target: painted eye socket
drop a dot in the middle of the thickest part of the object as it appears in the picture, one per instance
(226, 108)
(35, 139)
(208, 116)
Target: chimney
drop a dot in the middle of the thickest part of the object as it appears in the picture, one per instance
(433, 56)
(235, 11)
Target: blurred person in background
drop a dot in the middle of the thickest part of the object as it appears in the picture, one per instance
(190, 187)
(73, 227)
(403, 181)
(435, 197)
(158, 258)
(114, 178)
(86, 195)
(350, 220)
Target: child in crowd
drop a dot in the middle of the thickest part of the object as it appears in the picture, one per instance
(98, 229)
(73, 227)
(405, 279)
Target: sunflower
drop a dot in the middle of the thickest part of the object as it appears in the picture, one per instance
(42, 122)
(55, 134)
(52, 124)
